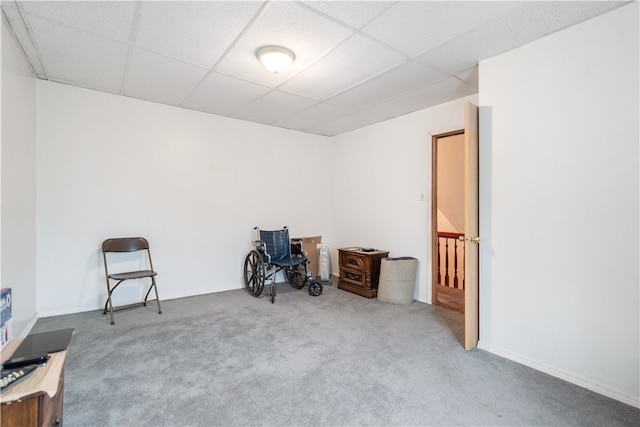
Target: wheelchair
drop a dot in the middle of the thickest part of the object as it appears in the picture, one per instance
(273, 252)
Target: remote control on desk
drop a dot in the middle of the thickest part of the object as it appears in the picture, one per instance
(32, 359)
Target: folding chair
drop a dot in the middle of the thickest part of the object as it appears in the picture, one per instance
(128, 244)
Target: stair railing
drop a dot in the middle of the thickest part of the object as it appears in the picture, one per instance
(452, 247)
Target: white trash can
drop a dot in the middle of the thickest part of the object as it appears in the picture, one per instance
(397, 280)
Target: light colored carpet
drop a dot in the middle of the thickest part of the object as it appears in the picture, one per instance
(230, 359)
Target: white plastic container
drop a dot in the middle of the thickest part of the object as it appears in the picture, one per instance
(324, 261)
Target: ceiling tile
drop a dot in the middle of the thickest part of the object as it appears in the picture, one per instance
(353, 13)
(194, 32)
(353, 62)
(467, 50)
(287, 24)
(73, 56)
(273, 106)
(224, 95)
(347, 123)
(313, 116)
(106, 18)
(522, 24)
(161, 79)
(21, 33)
(533, 20)
(470, 76)
(388, 85)
(414, 27)
(427, 96)
(464, 51)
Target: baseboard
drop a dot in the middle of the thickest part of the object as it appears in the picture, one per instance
(51, 313)
(196, 292)
(623, 397)
(29, 326)
(163, 297)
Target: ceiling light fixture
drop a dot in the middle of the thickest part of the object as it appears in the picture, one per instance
(275, 58)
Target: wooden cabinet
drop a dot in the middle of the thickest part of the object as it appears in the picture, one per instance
(360, 270)
(38, 399)
(36, 409)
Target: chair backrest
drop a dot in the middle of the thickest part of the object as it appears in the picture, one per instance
(277, 243)
(125, 244)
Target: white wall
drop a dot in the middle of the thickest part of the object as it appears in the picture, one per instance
(18, 180)
(193, 184)
(559, 205)
(379, 177)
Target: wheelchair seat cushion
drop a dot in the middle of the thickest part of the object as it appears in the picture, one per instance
(289, 262)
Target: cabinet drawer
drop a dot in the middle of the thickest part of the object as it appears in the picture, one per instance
(351, 277)
(351, 262)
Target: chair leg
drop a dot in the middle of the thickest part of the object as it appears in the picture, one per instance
(110, 304)
(155, 289)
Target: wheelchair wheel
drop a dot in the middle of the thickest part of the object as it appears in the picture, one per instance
(297, 276)
(273, 292)
(254, 273)
(315, 288)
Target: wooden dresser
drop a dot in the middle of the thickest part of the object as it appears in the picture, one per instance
(360, 270)
(38, 399)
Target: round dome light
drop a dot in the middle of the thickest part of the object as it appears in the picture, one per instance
(275, 58)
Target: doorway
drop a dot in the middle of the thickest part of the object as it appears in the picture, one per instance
(448, 279)
(470, 240)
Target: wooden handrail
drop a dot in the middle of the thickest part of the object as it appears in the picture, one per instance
(449, 235)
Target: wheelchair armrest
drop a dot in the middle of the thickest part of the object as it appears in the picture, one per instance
(296, 247)
(261, 246)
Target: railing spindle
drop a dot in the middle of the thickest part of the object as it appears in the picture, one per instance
(446, 263)
(439, 274)
(458, 269)
(455, 264)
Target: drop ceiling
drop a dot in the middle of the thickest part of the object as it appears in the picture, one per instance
(357, 62)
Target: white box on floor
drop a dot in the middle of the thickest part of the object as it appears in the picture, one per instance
(5, 317)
